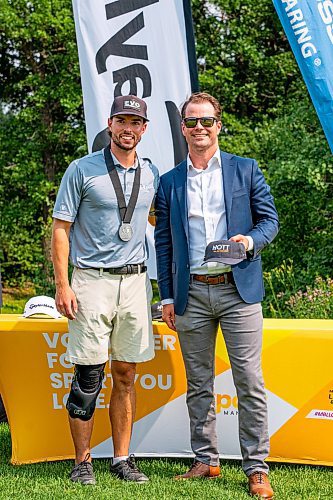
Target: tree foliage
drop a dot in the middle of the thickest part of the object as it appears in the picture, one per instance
(244, 56)
(244, 60)
(41, 126)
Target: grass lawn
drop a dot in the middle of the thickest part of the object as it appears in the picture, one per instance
(50, 481)
(14, 299)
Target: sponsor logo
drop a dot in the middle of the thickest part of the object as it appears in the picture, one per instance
(300, 28)
(325, 8)
(132, 105)
(330, 396)
(320, 414)
(226, 404)
(32, 306)
(80, 412)
(221, 248)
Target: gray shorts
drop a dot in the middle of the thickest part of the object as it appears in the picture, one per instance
(112, 309)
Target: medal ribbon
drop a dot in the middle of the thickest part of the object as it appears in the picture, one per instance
(126, 212)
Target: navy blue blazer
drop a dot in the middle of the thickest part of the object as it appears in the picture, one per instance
(250, 210)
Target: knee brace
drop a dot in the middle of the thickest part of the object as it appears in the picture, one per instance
(86, 386)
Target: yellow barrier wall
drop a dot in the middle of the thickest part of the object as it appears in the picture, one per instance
(298, 370)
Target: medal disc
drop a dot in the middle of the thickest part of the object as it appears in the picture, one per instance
(125, 232)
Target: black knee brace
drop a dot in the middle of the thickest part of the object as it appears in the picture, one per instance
(86, 386)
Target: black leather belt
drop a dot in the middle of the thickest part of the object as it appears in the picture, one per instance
(214, 280)
(128, 269)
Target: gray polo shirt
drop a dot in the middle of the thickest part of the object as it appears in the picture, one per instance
(87, 198)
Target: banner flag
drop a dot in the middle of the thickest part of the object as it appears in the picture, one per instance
(141, 47)
(145, 48)
(309, 27)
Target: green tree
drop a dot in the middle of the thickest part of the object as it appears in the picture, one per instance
(41, 127)
(244, 56)
(246, 62)
(300, 170)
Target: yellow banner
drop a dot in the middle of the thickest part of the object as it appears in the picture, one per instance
(35, 380)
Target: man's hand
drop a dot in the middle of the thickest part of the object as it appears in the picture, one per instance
(66, 301)
(168, 315)
(239, 238)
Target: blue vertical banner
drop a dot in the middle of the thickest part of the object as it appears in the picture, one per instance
(308, 25)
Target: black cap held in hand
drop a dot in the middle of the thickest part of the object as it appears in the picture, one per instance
(129, 105)
(225, 251)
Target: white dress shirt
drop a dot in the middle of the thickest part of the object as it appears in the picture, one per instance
(206, 215)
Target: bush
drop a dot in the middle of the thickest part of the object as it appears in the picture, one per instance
(315, 303)
(285, 299)
(280, 284)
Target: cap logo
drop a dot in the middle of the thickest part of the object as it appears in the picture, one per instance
(32, 306)
(221, 248)
(225, 251)
(132, 105)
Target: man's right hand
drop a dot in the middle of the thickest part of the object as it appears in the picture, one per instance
(66, 301)
(168, 315)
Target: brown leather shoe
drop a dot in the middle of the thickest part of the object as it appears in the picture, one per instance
(199, 469)
(259, 485)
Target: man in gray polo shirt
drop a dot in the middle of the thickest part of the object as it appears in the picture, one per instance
(100, 219)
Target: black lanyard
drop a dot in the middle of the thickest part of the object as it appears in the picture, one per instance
(126, 212)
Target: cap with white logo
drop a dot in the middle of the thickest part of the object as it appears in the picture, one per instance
(41, 305)
(225, 251)
(156, 311)
(129, 105)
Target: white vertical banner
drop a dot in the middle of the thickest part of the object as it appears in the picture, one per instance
(140, 47)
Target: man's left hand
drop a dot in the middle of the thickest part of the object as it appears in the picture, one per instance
(240, 238)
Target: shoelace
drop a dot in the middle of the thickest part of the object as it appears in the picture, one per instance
(195, 465)
(259, 477)
(132, 464)
(85, 466)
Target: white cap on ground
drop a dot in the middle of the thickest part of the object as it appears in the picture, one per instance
(41, 305)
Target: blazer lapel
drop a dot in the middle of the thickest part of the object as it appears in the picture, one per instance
(180, 188)
(228, 171)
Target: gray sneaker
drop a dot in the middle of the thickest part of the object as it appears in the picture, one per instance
(83, 472)
(128, 471)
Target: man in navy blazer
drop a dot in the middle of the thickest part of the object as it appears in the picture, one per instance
(210, 196)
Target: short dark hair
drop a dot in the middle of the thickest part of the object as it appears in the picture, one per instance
(198, 97)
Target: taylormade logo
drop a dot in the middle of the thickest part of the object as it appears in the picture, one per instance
(220, 248)
(32, 306)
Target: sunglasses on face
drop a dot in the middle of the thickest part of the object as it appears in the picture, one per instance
(206, 121)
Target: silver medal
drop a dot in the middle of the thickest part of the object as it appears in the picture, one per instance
(125, 231)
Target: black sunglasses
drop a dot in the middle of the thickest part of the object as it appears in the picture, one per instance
(206, 121)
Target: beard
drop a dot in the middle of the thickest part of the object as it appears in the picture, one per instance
(115, 138)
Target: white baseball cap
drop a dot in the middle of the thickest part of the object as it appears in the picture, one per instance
(41, 305)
